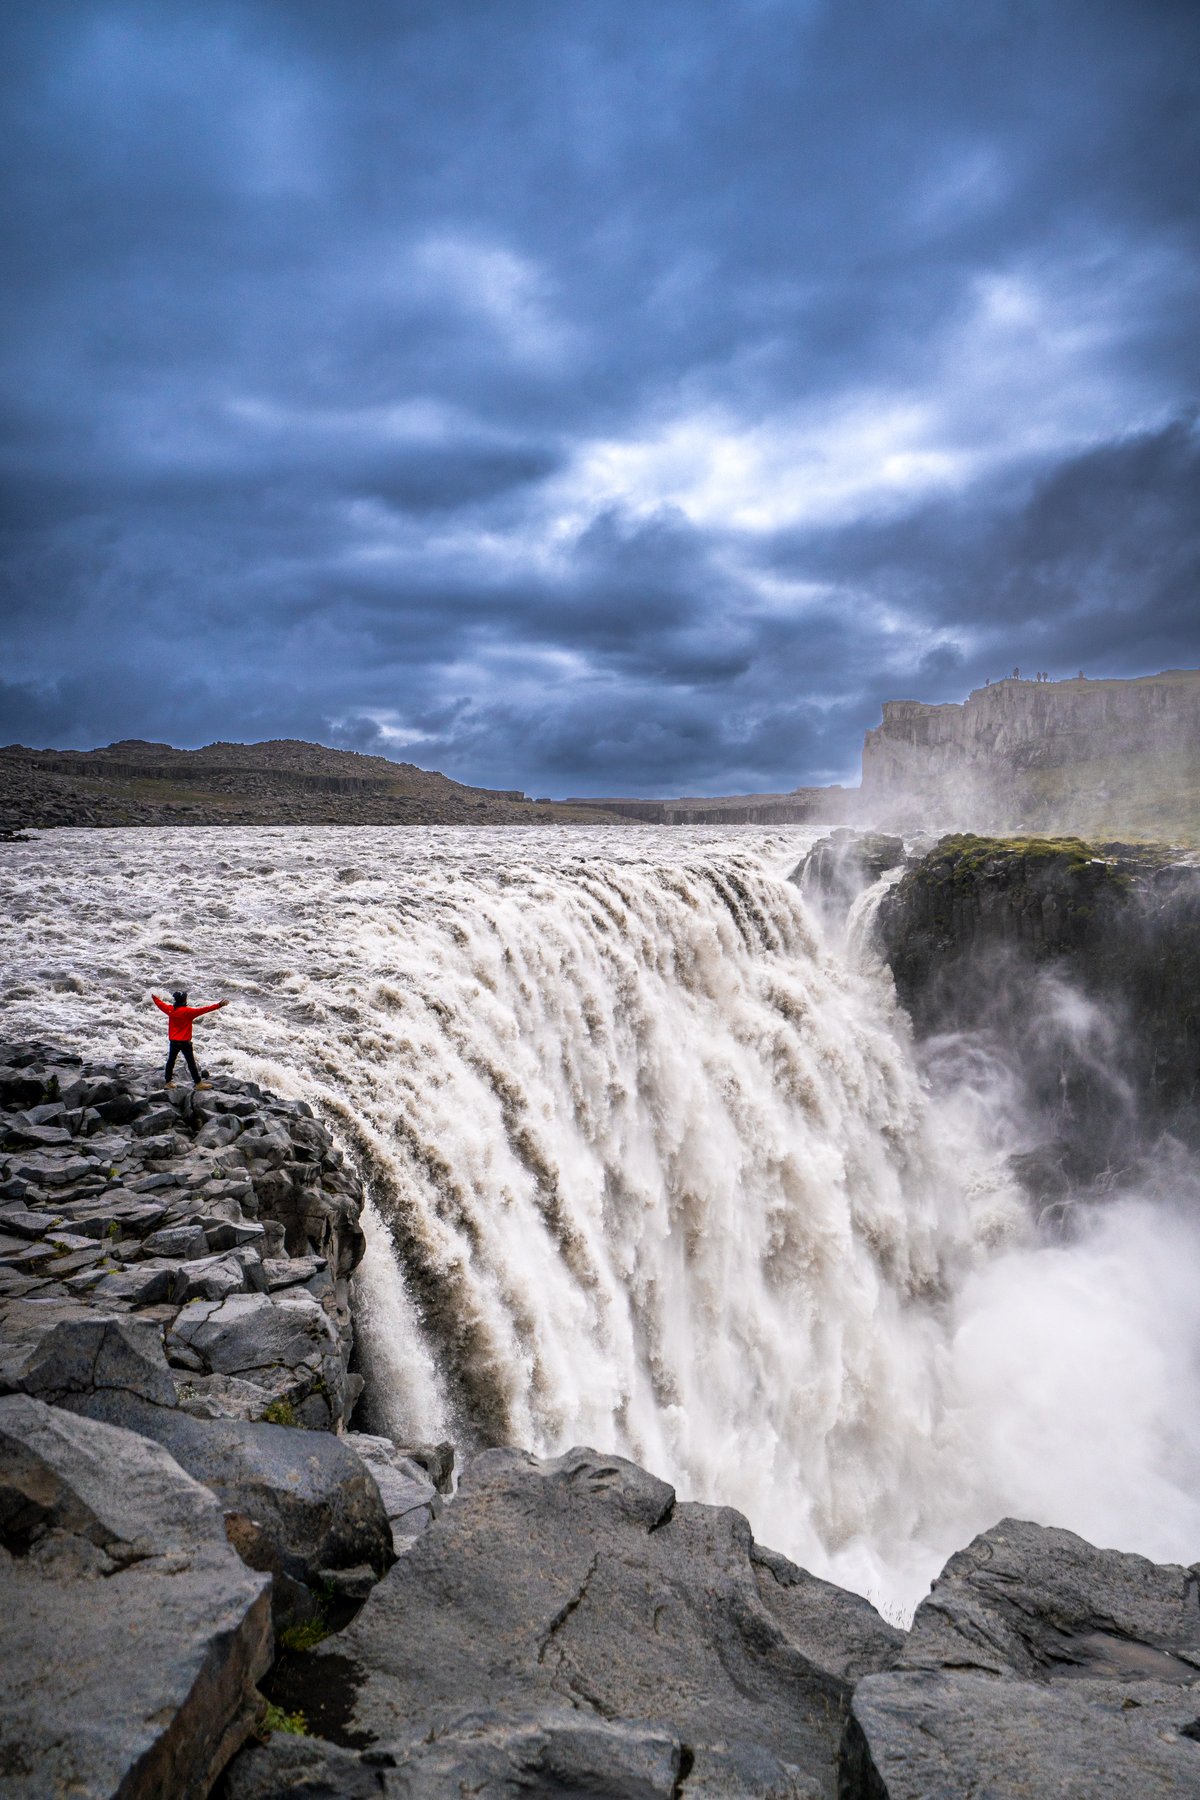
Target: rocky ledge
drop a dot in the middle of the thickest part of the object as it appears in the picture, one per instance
(179, 1490)
(200, 1598)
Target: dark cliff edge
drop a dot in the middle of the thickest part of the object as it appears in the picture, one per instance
(1078, 962)
(214, 1584)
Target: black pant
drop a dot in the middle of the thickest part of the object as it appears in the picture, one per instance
(188, 1056)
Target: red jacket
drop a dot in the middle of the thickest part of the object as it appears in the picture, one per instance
(180, 1029)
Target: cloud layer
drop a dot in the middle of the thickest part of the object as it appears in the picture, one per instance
(588, 398)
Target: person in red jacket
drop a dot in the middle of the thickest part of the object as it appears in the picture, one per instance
(179, 1031)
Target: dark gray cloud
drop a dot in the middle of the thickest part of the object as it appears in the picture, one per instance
(590, 398)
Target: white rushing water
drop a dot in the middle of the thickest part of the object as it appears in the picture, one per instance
(653, 1167)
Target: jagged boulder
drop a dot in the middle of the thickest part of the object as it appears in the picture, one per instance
(285, 1342)
(1035, 1601)
(409, 1497)
(578, 1585)
(97, 1355)
(313, 1500)
(132, 1634)
(1038, 1664)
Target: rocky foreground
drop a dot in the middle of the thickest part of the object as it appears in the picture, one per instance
(212, 1583)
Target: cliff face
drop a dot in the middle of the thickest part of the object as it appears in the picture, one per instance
(1080, 964)
(1097, 757)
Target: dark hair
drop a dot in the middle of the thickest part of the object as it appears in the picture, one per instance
(179, 997)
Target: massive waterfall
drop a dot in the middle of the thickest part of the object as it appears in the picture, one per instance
(653, 1166)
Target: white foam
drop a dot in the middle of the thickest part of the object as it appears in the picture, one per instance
(653, 1168)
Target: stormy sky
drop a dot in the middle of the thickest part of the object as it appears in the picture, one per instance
(585, 396)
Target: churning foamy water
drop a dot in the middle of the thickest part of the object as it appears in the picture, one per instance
(653, 1167)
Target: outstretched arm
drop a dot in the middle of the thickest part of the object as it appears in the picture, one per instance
(161, 1004)
(215, 1007)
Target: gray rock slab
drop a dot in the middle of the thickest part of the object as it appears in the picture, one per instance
(944, 1735)
(253, 1331)
(131, 1634)
(409, 1497)
(437, 1460)
(838, 1630)
(289, 1271)
(24, 1322)
(144, 1284)
(1034, 1601)
(44, 1169)
(578, 1583)
(187, 1242)
(308, 1492)
(36, 1137)
(97, 1355)
(222, 1396)
(208, 1278)
(230, 1234)
(24, 1223)
(551, 1755)
(128, 1216)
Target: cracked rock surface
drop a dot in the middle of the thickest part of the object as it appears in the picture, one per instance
(588, 1616)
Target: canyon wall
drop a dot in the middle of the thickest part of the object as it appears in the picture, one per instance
(1103, 758)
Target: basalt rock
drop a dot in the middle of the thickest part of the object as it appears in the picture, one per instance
(1059, 952)
(579, 1587)
(133, 1635)
(838, 867)
(1038, 1664)
(220, 1227)
(119, 1197)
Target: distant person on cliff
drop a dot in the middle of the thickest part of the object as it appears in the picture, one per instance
(179, 1032)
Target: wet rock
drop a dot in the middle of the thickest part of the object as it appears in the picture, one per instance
(978, 932)
(840, 866)
(107, 1545)
(578, 1583)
